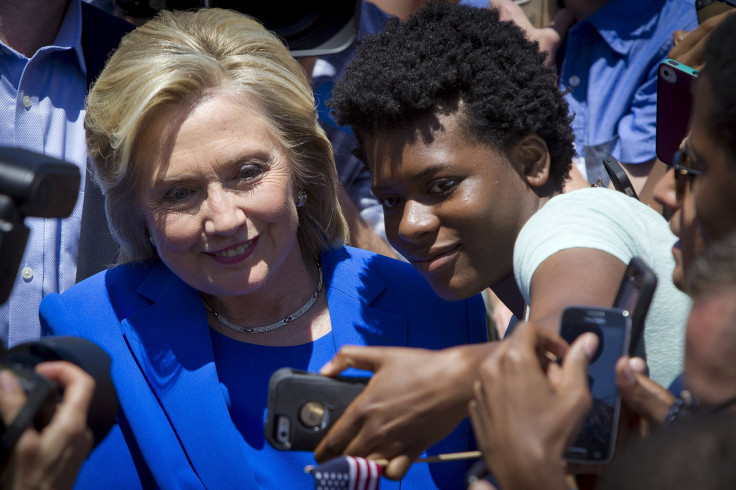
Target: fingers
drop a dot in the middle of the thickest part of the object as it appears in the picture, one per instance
(78, 390)
(340, 435)
(397, 467)
(481, 485)
(642, 395)
(575, 363)
(689, 48)
(540, 340)
(12, 397)
(368, 358)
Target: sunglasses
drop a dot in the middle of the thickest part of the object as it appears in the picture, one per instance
(684, 174)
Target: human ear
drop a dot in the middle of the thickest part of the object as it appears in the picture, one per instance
(532, 159)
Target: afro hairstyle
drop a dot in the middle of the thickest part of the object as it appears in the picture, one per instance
(447, 54)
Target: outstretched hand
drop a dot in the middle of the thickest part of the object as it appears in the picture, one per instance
(415, 398)
(526, 411)
(50, 458)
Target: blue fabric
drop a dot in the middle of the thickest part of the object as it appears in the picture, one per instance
(677, 386)
(54, 82)
(174, 424)
(247, 399)
(475, 3)
(610, 67)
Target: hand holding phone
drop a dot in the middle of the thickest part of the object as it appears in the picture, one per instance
(303, 406)
(525, 409)
(597, 439)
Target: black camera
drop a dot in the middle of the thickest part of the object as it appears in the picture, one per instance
(31, 184)
(36, 185)
(43, 394)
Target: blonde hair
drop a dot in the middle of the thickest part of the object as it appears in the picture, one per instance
(179, 57)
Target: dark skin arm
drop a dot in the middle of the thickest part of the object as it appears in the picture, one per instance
(404, 410)
(576, 276)
(413, 400)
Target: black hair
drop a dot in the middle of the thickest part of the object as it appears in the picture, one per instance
(444, 55)
(720, 67)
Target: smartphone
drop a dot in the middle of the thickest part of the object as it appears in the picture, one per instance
(634, 295)
(303, 406)
(597, 439)
(618, 176)
(674, 106)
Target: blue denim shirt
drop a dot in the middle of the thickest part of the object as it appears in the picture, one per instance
(610, 67)
(42, 110)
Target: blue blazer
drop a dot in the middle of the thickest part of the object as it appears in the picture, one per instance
(174, 429)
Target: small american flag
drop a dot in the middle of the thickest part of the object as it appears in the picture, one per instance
(347, 473)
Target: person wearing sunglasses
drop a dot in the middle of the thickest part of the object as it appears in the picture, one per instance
(702, 198)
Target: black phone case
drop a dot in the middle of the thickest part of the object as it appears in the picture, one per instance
(640, 276)
(618, 176)
(290, 390)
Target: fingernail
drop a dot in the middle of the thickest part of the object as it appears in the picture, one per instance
(326, 367)
(629, 375)
(637, 364)
(590, 344)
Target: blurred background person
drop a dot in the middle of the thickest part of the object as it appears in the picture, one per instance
(51, 52)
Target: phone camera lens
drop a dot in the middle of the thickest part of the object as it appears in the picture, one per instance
(313, 415)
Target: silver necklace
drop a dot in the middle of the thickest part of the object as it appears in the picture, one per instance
(273, 326)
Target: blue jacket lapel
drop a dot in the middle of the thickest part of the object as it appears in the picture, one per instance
(355, 301)
(171, 343)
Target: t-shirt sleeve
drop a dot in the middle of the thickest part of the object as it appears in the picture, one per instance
(595, 218)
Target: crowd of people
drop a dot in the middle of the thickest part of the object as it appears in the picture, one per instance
(218, 237)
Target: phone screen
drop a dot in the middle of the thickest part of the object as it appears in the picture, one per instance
(596, 440)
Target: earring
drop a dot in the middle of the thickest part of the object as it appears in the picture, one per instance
(153, 243)
(301, 198)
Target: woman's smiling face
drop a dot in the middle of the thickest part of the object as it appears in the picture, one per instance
(452, 206)
(217, 194)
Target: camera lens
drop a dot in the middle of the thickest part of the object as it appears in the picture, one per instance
(312, 415)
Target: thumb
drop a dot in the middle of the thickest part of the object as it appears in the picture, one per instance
(578, 357)
(368, 358)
